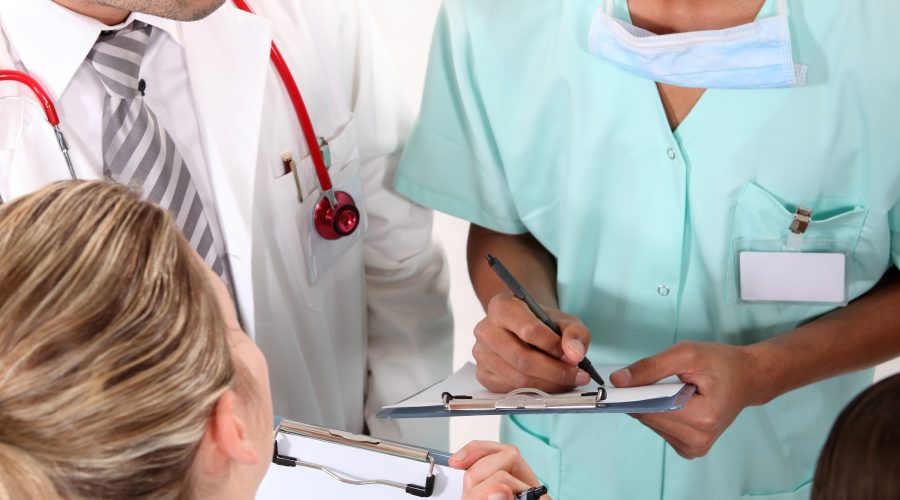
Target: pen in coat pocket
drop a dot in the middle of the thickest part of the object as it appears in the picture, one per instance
(290, 166)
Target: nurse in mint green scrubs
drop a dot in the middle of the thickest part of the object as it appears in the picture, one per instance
(583, 152)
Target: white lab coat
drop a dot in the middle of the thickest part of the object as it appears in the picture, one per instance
(375, 327)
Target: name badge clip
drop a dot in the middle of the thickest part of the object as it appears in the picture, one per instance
(798, 227)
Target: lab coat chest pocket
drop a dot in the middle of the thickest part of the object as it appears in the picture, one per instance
(10, 139)
(30, 157)
(313, 257)
(761, 223)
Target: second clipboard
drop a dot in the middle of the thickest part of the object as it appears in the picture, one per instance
(461, 395)
(309, 460)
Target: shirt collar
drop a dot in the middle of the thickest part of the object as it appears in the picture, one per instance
(52, 41)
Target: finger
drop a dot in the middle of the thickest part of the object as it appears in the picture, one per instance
(486, 372)
(483, 469)
(507, 459)
(489, 492)
(512, 365)
(681, 448)
(685, 434)
(497, 376)
(680, 358)
(700, 413)
(512, 314)
(691, 441)
(672, 439)
(498, 481)
(575, 338)
(475, 451)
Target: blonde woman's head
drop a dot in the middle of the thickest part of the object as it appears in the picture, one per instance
(123, 372)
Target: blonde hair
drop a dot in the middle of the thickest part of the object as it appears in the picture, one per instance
(113, 350)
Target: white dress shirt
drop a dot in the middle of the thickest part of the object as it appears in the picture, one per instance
(53, 43)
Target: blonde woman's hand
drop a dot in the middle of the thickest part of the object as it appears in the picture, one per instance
(494, 471)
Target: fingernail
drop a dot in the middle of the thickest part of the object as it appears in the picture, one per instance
(621, 377)
(497, 496)
(459, 456)
(582, 378)
(576, 346)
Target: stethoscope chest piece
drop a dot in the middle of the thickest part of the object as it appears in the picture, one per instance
(337, 219)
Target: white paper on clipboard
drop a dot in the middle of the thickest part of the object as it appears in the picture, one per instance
(302, 483)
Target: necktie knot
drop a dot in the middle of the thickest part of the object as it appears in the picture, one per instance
(117, 57)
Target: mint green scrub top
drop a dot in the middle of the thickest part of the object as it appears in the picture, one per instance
(523, 130)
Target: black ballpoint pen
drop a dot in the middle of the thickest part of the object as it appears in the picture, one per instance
(532, 493)
(520, 293)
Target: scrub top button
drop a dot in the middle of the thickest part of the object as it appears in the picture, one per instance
(671, 153)
(663, 290)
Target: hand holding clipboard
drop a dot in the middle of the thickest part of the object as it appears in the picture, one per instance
(329, 463)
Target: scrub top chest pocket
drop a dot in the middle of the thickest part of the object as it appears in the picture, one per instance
(299, 193)
(788, 254)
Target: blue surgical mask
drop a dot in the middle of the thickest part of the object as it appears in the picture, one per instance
(752, 56)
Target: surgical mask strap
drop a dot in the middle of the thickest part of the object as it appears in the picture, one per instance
(782, 8)
(608, 6)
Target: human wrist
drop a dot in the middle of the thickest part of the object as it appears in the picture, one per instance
(766, 372)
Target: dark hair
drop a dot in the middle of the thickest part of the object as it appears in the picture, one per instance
(861, 458)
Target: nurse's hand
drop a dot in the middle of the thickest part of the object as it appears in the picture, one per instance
(725, 380)
(494, 471)
(513, 349)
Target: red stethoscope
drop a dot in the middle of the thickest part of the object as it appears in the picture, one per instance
(335, 214)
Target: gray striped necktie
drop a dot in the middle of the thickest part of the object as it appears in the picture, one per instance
(137, 151)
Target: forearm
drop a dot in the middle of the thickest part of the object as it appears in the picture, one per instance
(523, 255)
(863, 334)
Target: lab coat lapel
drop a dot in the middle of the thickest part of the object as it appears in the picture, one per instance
(6, 61)
(227, 57)
(29, 154)
(34, 157)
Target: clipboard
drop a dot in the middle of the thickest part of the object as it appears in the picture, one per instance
(461, 395)
(329, 463)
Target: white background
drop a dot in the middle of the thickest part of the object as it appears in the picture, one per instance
(406, 27)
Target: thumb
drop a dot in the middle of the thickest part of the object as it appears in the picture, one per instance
(575, 339)
(650, 370)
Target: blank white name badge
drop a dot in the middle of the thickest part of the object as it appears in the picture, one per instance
(793, 277)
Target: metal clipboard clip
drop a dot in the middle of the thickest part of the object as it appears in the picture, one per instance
(356, 441)
(526, 399)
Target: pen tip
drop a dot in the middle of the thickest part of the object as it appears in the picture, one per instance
(491, 259)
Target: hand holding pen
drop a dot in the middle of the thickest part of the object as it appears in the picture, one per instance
(515, 349)
(496, 471)
(519, 291)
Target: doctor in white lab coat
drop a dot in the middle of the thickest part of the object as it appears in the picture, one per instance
(347, 326)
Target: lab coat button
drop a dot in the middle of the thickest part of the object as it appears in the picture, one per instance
(671, 153)
(663, 290)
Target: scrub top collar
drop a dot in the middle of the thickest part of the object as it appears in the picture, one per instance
(52, 41)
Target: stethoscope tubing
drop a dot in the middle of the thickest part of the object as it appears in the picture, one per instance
(302, 112)
(36, 89)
